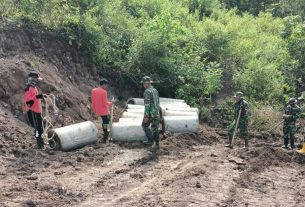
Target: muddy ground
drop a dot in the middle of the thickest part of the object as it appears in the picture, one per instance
(187, 170)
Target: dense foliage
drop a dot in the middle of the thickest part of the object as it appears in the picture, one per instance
(185, 45)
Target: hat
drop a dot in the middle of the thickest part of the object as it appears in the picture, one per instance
(103, 81)
(293, 101)
(34, 74)
(146, 79)
(239, 94)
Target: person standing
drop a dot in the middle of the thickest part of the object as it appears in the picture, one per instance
(32, 99)
(151, 112)
(242, 107)
(100, 105)
(292, 113)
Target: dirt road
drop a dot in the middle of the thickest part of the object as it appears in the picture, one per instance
(188, 170)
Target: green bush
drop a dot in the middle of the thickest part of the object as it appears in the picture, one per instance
(185, 45)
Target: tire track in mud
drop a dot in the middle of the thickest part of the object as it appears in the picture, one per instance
(186, 171)
(171, 182)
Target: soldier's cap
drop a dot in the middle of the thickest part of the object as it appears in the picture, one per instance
(146, 79)
(292, 101)
(239, 94)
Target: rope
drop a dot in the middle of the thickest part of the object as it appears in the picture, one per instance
(47, 125)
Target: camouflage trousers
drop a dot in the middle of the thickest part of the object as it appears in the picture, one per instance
(151, 129)
(289, 130)
(243, 128)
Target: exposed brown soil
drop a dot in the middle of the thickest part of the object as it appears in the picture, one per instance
(187, 170)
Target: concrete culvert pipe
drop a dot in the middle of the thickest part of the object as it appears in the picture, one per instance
(140, 111)
(182, 105)
(174, 107)
(180, 124)
(140, 101)
(136, 101)
(183, 109)
(128, 132)
(74, 136)
(171, 100)
(179, 113)
(131, 106)
(132, 115)
(131, 120)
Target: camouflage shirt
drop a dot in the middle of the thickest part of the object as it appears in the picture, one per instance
(294, 112)
(151, 102)
(245, 109)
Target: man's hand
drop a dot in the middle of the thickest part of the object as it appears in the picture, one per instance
(40, 96)
(145, 119)
(30, 103)
(285, 116)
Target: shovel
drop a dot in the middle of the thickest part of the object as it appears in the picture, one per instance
(111, 121)
(236, 126)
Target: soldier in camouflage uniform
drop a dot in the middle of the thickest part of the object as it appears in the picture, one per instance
(242, 105)
(151, 113)
(302, 115)
(292, 113)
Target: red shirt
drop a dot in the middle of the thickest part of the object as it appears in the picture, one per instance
(31, 95)
(99, 101)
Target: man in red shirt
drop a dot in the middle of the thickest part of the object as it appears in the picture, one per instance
(100, 104)
(32, 99)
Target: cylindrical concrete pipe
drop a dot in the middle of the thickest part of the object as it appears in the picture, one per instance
(183, 109)
(180, 124)
(141, 111)
(131, 120)
(179, 113)
(168, 107)
(122, 131)
(170, 100)
(132, 115)
(74, 136)
(136, 101)
(131, 106)
(173, 104)
(140, 101)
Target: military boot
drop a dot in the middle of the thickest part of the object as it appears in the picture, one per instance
(292, 143)
(246, 143)
(149, 136)
(40, 143)
(229, 145)
(286, 141)
(105, 136)
(157, 139)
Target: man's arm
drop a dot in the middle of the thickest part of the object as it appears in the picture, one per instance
(147, 102)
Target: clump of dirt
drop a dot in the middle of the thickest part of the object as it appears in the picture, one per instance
(263, 157)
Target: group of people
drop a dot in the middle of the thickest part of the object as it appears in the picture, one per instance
(241, 115)
(100, 106)
(151, 119)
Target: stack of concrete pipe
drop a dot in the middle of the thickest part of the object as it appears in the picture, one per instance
(176, 116)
